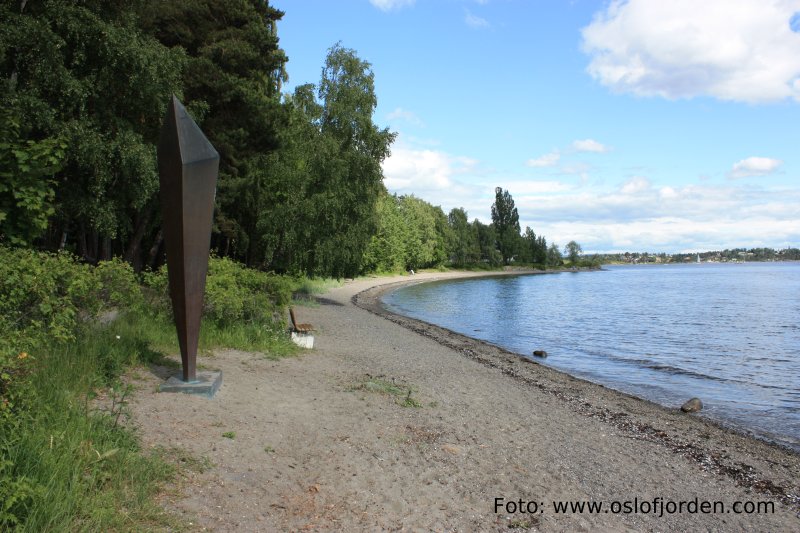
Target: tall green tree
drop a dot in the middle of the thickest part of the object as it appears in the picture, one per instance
(506, 223)
(573, 252)
(554, 257)
(231, 83)
(85, 73)
(347, 179)
(386, 251)
(464, 248)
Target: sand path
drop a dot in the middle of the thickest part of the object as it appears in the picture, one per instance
(314, 450)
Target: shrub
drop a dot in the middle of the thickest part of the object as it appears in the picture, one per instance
(234, 293)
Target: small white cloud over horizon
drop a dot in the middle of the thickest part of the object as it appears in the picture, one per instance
(742, 51)
(389, 5)
(754, 166)
(547, 160)
(590, 145)
(474, 21)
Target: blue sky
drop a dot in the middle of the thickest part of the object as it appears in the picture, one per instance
(628, 126)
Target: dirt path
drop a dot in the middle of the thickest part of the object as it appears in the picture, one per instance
(317, 449)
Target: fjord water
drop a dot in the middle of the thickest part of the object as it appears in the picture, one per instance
(726, 333)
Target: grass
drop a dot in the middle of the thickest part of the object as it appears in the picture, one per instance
(160, 333)
(390, 387)
(67, 464)
(306, 288)
(84, 469)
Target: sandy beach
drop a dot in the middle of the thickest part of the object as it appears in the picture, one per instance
(484, 441)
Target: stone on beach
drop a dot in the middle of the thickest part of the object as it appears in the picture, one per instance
(692, 406)
(540, 353)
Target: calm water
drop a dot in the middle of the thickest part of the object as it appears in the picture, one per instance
(726, 333)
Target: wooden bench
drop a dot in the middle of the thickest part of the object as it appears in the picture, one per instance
(299, 328)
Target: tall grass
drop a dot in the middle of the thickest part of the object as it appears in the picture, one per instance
(82, 467)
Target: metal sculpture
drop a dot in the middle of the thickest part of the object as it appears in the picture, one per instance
(188, 166)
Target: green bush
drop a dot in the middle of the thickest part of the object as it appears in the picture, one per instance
(43, 297)
(234, 294)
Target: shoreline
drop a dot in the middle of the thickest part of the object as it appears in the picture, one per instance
(371, 300)
(312, 447)
(532, 373)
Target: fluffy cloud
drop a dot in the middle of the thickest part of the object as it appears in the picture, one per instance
(742, 51)
(755, 166)
(474, 21)
(388, 5)
(414, 170)
(547, 160)
(589, 145)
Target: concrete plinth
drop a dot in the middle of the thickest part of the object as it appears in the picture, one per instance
(206, 384)
(304, 340)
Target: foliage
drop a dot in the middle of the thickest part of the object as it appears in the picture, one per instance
(506, 222)
(573, 252)
(234, 294)
(554, 257)
(66, 463)
(386, 251)
(43, 296)
(231, 84)
(26, 184)
(82, 75)
(464, 247)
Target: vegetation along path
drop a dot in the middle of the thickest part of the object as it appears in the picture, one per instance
(391, 424)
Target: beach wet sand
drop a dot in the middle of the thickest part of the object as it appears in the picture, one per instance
(478, 439)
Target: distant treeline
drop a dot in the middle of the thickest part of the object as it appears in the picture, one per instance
(724, 256)
(83, 91)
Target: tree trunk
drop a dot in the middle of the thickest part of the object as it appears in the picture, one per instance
(152, 255)
(133, 251)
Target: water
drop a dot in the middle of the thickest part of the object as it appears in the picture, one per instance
(726, 333)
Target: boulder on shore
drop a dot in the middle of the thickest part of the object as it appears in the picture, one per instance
(692, 406)
(540, 353)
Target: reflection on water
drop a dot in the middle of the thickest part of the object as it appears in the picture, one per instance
(726, 333)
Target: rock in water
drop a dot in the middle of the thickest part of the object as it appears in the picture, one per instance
(692, 406)
(540, 353)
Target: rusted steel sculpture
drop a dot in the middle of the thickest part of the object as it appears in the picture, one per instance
(188, 167)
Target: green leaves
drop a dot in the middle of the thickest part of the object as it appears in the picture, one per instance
(26, 184)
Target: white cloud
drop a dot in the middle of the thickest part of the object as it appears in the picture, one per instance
(590, 145)
(635, 185)
(474, 21)
(742, 51)
(755, 166)
(641, 217)
(410, 169)
(404, 114)
(547, 160)
(388, 5)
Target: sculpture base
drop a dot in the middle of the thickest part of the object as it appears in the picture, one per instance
(206, 384)
(303, 340)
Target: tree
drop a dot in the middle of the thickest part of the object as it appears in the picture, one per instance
(464, 247)
(386, 251)
(573, 251)
(231, 84)
(487, 242)
(26, 184)
(554, 257)
(506, 223)
(86, 74)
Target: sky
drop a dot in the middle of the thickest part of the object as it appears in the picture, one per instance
(638, 125)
